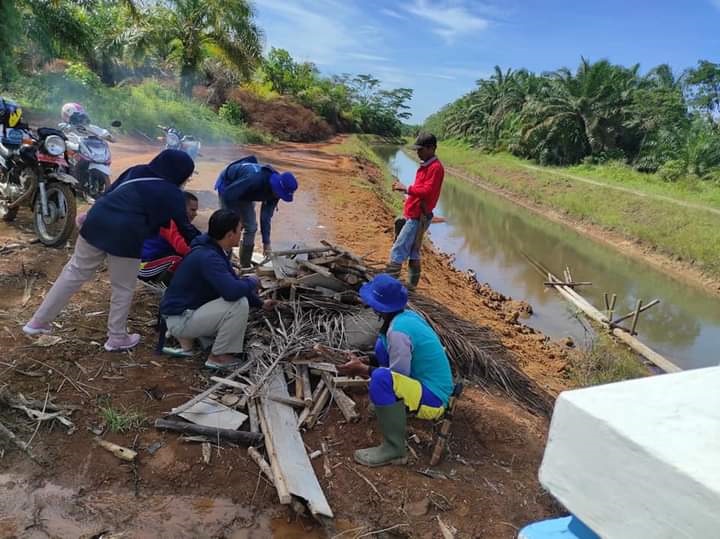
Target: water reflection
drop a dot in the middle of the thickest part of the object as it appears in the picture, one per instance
(491, 236)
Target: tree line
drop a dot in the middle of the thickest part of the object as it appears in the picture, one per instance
(657, 122)
(215, 43)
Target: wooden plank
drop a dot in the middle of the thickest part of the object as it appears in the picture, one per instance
(347, 381)
(316, 279)
(261, 462)
(290, 401)
(289, 460)
(229, 383)
(314, 267)
(301, 251)
(322, 400)
(253, 416)
(315, 396)
(239, 436)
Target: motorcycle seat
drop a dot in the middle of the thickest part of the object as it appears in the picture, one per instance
(44, 132)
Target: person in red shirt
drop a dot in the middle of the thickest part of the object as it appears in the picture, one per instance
(422, 197)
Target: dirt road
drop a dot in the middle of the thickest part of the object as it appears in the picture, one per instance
(487, 487)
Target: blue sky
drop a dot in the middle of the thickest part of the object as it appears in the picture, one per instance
(440, 47)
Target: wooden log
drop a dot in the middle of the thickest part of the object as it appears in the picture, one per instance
(301, 251)
(315, 268)
(239, 436)
(639, 347)
(345, 403)
(304, 375)
(197, 398)
(262, 463)
(631, 314)
(322, 260)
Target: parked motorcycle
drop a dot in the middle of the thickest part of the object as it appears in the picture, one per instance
(89, 156)
(32, 173)
(176, 140)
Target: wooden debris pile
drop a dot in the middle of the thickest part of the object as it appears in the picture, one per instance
(290, 378)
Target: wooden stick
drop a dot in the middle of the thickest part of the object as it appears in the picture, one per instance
(229, 383)
(301, 251)
(201, 396)
(346, 381)
(253, 415)
(607, 302)
(239, 436)
(636, 317)
(290, 401)
(632, 313)
(119, 451)
(304, 375)
(10, 435)
(612, 306)
(345, 403)
(316, 395)
(262, 463)
(568, 283)
(278, 479)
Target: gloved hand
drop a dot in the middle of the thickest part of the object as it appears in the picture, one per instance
(80, 219)
(267, 249)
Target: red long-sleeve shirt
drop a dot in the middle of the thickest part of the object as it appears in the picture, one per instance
(426, 189)
(172, 235)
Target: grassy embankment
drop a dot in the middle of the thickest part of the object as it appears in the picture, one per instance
(140, 107)
(681, 228)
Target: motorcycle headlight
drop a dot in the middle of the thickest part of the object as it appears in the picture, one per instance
(55, 145)
(172, 140)
(96, 150)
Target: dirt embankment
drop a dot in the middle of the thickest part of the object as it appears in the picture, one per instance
(487, 485)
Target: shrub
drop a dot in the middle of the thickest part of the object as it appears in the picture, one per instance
(672, 170)
(232, 113)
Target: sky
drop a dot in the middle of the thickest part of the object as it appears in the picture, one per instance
(439, 48)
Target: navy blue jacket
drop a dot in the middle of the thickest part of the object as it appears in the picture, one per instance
(204, 275)
(245, 180)
(143, 199)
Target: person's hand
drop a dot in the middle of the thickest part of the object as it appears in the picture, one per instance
(354, 367)
(268, 305)
(267, 249)
(80, 219)
(397, 186)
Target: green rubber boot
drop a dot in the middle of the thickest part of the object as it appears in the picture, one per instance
(393, 269)
(246, 252)
(392, 420)
(413, 274)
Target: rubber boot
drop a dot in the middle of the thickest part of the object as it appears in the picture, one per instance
(392, 420)
(246, 252)
(393, 269)
(413, 274)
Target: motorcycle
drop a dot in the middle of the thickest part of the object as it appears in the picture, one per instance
(176, 140)
(89, 156)
(32, 173)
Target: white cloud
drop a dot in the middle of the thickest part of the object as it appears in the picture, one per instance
(368, 57)
(395, 14)
(452, 19)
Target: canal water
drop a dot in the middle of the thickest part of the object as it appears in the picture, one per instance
(492, 236)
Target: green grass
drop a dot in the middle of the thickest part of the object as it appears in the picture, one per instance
(140, 107)
(124, 420)
(679, 232)
(361, 146)
(604, 362)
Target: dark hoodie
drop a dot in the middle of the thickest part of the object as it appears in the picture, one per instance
(143, 199)
(204, 275)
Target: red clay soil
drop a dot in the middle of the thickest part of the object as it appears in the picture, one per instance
(487, 485)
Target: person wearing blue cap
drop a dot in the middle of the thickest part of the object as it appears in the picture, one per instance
(244, 182)
(412, 373)
(143, 199)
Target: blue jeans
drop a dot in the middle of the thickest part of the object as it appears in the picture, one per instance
(404, 246)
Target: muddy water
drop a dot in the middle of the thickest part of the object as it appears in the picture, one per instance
(491, 236)
(42, 509)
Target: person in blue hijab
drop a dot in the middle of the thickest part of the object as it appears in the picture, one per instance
(142, 199)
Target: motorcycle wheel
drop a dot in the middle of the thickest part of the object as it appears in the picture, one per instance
(55, 229)
(97, 183)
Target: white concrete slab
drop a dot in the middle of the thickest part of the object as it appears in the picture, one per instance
(640, 459)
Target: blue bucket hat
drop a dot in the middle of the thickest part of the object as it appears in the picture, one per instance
(385, 294)
(284, 185)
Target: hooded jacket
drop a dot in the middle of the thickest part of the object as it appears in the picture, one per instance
(204, 275)
(143, 199)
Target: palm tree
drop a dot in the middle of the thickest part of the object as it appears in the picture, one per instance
(200, 29)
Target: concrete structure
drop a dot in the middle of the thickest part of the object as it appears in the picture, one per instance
(640, 459)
